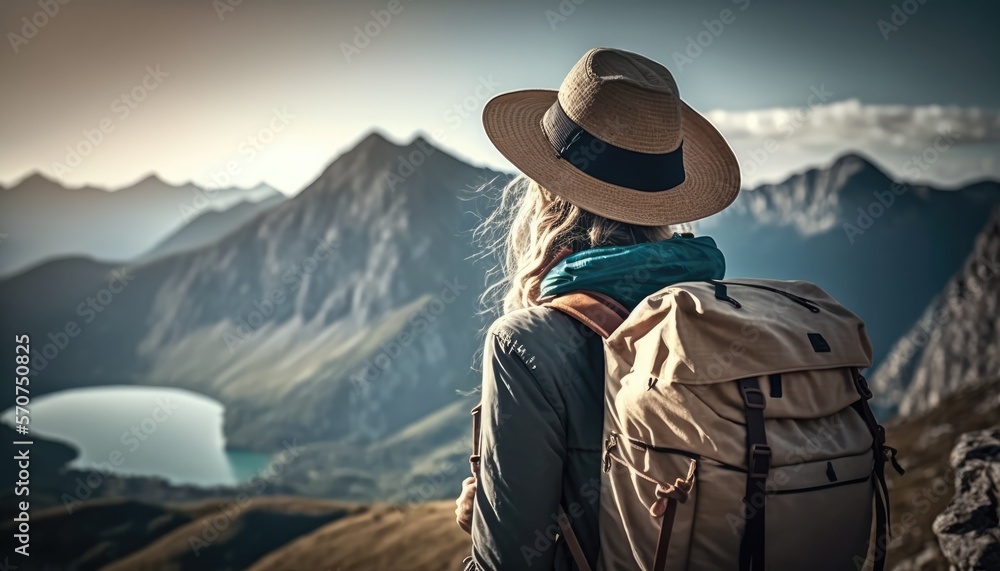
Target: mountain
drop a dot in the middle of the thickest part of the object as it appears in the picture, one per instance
(884, 249)
(956, 341)
(44, 220)
(209, 227)
(345, 318)
(351, 304)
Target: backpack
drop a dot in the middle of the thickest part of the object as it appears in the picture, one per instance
(738, 433)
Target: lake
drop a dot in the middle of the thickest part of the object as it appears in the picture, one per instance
(150, 431)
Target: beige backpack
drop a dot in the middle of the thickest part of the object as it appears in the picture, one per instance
(737, 431)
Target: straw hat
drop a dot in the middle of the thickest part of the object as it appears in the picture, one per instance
(617, 140)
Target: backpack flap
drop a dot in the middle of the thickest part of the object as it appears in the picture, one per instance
(701, 333)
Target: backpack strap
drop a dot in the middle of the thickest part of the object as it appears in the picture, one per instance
(571, 541)
(599, 312)
(667, 498)
(602, 315)
(758, 467)
(882, 454)
(477, 424)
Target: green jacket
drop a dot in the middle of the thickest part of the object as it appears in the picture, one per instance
(542, 395)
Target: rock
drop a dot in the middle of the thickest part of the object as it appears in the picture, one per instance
(968, 530)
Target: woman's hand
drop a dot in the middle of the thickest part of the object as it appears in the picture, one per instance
(465, 503)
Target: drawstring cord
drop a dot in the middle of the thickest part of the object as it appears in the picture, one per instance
(667, 498)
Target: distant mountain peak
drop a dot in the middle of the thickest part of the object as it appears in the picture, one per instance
(151, 178)
(814, 200)
(854, 175)
(854, 164)
(855, 160)
(376, 139)
(36, 178)
(265, 190)
(376, 156)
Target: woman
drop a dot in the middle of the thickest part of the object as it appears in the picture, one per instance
(613, 162)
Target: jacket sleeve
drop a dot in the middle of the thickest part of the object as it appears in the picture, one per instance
(518, 494)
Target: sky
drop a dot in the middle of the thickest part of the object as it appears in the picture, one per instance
(239, 92)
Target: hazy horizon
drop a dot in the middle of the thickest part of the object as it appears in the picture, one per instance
(820, 80)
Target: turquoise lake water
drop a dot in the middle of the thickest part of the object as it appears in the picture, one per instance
(151, 431)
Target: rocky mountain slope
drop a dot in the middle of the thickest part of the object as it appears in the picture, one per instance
(925, 441)
(956, 342)
(43, 220)
(942, 379)
(968, 530)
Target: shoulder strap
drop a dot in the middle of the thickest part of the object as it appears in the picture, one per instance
(477, 423)
(602, 315)
(599, 312)
(758, 467)
(882, 453)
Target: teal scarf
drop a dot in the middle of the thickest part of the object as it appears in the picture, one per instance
(630, 273)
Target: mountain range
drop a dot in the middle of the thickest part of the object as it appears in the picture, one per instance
(360, 275)
(43, 220)
(345, 318)
(883, 248)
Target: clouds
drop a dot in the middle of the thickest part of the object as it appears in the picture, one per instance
(772, 143)
(895, 126)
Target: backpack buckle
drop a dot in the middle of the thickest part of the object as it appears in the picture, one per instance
(862, 385)
(759, 461)
(753, 397)
(609, 444)
(890, 456)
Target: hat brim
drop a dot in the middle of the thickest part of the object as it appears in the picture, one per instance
(712, 173)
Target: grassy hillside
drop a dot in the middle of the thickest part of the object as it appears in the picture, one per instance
(423, 538)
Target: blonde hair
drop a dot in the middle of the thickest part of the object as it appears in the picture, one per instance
(530, 226)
